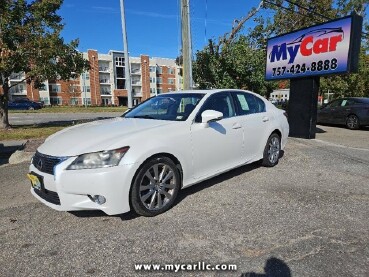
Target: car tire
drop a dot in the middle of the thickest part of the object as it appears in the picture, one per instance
(31, 108)
(155, 187)
(352, 122)
(272, 151)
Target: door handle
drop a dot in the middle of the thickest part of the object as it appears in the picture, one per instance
(236, 126)
(265, 119)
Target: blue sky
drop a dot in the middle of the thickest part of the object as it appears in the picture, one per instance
(152, 26)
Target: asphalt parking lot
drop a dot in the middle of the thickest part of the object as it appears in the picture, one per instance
(310, 212)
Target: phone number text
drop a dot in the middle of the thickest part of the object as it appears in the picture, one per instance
(302, 68)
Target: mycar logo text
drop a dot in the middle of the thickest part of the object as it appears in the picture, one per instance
(308, 44)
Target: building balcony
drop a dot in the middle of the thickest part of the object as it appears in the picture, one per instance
(137, 93)
(105, 92)
(136, 83)
(16, 91)
(16, 77)
(104, 82)
(136, 71)
(104, 69)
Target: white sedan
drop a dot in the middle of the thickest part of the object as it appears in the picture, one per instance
(141, 161)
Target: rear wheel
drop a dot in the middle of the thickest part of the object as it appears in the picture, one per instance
(155, 187)
(352, 122)
(272, 150)
(30, 108)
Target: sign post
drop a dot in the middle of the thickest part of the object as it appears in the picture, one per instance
(306, 54)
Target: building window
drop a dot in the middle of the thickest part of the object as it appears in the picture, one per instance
(74, 88)
(152, 90)
(120, 72)
(86, 101)
(152, 68)
(170, 70)
(121, 83)
(86, 89)
(159, 70)
(55, 88)
(171, 81)
(45, 100)
(56, 100)
(105, 90)
(160, 90)
(119, 61)
(152, 80)
(86, 76)
(159, 80)
(74, 101)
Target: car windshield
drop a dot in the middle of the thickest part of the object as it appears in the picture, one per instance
(173, 107)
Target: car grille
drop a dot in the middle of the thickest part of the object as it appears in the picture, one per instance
(48, 195)
(45, 163)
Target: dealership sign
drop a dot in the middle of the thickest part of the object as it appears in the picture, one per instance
(328, 48)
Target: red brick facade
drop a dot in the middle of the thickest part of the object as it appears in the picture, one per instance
(94, 77)
(145, 77)
(165, 75)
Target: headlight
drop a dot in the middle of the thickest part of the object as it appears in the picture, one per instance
(98, 159)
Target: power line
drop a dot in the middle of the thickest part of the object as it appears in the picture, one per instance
(306, 9)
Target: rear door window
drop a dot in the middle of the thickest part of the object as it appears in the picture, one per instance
(248, 103)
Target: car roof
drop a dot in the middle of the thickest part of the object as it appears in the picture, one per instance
(205, 91)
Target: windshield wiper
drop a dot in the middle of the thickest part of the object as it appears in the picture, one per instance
(144, 116)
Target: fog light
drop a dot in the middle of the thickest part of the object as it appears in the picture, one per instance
(98, 199)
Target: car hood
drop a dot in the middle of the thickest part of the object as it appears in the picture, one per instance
(97, 136)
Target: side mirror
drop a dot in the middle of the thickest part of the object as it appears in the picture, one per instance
(210, 116)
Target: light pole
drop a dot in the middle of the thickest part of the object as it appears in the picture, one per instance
(126, 57)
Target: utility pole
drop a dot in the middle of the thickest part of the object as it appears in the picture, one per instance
(126, 57)
(186, 44)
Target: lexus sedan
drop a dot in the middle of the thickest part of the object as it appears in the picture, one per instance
(351, 111)
(142, 160)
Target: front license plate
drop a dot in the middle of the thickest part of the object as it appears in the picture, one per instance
(35, 181)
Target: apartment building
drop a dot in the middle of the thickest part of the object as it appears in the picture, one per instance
(105, 82)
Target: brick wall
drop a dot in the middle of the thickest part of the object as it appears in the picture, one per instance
(145, 76)
(94, 77)
(165, 86)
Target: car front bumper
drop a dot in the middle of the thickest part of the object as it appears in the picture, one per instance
(74, 188)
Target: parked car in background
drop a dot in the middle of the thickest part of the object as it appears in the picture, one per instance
(24, 104)
(142, 160)
(350, 111)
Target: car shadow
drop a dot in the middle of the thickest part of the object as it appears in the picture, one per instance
(273, 268)
(219, 179)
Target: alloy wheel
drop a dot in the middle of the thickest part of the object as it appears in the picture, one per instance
(352, 122)
(273, 150)
(157, 186)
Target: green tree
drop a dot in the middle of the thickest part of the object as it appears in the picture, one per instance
(30, 42)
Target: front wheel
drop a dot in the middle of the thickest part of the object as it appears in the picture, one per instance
(272, 151)
(155, 187)
(352, 122)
